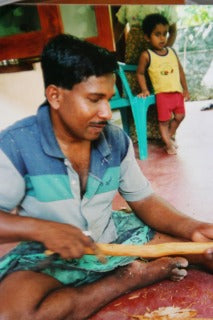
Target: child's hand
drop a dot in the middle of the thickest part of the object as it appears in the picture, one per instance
(143, 94)
(186, 95)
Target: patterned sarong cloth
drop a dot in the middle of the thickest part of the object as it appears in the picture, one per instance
(30, 255)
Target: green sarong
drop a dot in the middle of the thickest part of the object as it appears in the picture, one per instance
(29, 255)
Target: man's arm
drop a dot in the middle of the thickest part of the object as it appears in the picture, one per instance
(61, 238)
(142, 65)
(164, 218)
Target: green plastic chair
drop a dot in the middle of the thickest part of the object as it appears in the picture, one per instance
(139, 107)
(121, 103)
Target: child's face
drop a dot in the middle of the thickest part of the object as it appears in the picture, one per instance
(158, 37)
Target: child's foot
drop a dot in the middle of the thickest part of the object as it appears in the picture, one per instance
(174, 143)
(171, 150)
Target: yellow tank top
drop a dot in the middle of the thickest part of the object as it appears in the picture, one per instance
(164, 72)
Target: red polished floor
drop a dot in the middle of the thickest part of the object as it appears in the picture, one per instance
(195, 292)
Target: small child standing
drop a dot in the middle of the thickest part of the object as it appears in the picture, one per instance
(167, 77)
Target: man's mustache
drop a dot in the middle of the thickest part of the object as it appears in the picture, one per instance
(99, 123)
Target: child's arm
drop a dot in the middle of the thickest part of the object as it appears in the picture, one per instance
(183, 82)
(172, 35)
(142, 65)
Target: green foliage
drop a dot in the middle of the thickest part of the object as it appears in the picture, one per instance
(194, 15)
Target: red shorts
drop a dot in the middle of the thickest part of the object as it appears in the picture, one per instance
(168, 103)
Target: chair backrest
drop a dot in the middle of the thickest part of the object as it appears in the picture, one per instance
(127, 98)
(123, 68)
(121, 72)
(117, 101)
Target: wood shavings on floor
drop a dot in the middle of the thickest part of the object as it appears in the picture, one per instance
(167, 313)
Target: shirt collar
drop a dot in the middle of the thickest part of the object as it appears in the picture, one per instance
(48, 139)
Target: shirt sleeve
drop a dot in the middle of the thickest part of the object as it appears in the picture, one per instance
(134, 186)
(12, 186)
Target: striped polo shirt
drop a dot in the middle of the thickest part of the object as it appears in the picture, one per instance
(40, 182)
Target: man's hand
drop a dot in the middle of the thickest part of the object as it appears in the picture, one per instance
(66, 240)
(209, 254)
(204, 233)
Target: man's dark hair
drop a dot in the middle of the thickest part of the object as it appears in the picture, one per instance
(151, 21)
(67, 60)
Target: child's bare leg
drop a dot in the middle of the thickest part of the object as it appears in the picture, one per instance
(165, 134)
(174, 124)
(34, 296)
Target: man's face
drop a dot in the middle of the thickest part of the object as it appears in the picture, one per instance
(84, 110)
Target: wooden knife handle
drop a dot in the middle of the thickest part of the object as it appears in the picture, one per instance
(149, 250)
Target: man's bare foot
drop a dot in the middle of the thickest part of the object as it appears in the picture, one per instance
(140, 274)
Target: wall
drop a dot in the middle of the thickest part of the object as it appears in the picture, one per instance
(195, 50)
(75, 13)
(20, 94)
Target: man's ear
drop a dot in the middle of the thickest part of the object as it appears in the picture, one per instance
(52, 94)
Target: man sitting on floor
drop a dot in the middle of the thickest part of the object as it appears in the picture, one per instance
(61, 169)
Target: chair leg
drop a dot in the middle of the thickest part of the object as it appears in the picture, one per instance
(125, 120)
(139, 111)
